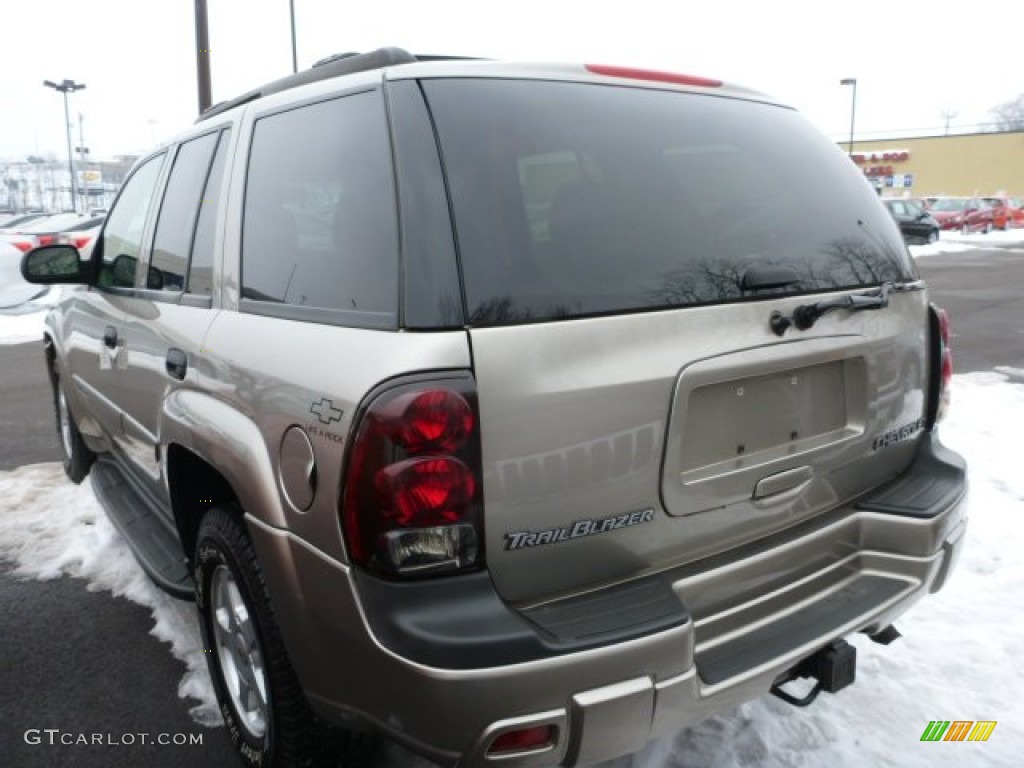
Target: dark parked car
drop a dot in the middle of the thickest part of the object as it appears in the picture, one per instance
(966, 214)
(916, 224)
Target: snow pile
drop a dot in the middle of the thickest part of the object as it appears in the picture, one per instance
(18, 329)
(958, 659)
(49, 528)
(954, 242)
(997, 237)
(24, 322)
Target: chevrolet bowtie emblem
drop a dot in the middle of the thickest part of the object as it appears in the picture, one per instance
(325, 411)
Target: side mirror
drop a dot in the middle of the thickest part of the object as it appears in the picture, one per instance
(50, 264)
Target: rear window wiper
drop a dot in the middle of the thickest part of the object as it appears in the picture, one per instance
(806, 315)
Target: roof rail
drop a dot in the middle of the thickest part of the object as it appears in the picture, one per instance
(332, 66)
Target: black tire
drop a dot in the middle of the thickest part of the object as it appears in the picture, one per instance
(75, 453)
(988, 227)
(292, 734)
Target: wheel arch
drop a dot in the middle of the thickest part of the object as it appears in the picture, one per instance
(214, 456)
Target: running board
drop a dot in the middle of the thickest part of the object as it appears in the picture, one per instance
(154, 544)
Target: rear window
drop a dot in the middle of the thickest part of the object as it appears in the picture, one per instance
(574, 199)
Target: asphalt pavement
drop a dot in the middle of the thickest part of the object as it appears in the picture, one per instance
(84, 662)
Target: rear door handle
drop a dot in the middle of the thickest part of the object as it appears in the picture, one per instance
(177, 363)
(110, 336)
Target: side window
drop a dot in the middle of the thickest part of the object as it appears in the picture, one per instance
(319, 227)
(200, 273)
(122, 237)
(176, 224)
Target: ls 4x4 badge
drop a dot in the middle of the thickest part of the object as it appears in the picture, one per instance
(576, 530)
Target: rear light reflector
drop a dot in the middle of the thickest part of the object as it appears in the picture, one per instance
(412, 499)
(523, 740)
(653, 75)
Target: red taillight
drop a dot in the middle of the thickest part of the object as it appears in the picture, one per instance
(22, 246)
(425, 491)
(653, 74)
(47, 239)
(437, 419)
(81, 242)
(523, 740)
(946, 358)
(412, 498)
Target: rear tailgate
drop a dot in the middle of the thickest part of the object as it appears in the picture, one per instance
(616, 446)
(622, 249)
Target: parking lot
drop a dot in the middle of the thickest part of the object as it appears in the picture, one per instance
(86, 662)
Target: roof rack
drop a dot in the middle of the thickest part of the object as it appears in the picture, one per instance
(332, 66)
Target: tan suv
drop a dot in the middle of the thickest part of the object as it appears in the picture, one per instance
(521, 413)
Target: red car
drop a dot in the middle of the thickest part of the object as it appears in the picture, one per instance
(1007, 212)
(72, 228)
(966, 214)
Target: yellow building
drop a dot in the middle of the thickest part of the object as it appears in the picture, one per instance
(971, 164)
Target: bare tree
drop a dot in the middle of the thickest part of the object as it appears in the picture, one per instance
(1009, 116)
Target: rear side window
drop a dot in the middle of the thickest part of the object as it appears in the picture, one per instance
(319, 237)
(574, 199)
(200, 272)
(176, 225)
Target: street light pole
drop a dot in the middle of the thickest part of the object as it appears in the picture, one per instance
(65, 87)
(853, 107)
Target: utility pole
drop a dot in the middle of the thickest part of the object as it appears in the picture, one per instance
(83, 159)
(295, 57)
(203, 56)
(949, 113)
(853, 107)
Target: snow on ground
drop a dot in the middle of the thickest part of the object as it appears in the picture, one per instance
(954, 242)
(959, 658)
(25, 322)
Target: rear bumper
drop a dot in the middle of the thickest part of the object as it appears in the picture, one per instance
(748, 617)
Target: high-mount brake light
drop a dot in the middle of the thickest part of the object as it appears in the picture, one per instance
(653, 75)
(412, 498)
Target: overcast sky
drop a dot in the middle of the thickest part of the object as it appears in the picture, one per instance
(912, 60)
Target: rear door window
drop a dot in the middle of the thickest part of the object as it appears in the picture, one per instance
(574, 199)
(178, 213)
